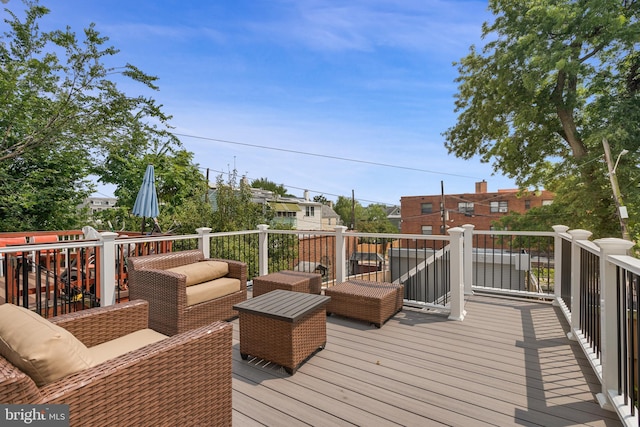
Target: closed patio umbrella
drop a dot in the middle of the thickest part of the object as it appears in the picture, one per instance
(146, 205)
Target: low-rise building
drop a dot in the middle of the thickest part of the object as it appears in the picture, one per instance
(97, 204)
(297, 213)
(435, 214)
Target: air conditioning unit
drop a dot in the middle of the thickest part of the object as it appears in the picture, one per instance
(503, 210)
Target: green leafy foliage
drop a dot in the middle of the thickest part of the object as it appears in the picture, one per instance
(553, 79)
(233, 208)
(62, 119)
(265, 184)
(370, 219)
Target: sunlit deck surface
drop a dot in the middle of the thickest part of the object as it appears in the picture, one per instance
(508, 363)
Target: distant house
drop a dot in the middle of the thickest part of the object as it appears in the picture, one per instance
(309, 214)
(298, 213)
(97, 204)
(393, 214)
(436, 213)
(330, 219)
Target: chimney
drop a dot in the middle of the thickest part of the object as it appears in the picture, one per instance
(481, 187)
(306, 195)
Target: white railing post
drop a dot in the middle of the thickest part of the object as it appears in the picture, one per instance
(107, 269)
(456, 275)
(608, 313)
(557, 262)
(341, 258)
(575, 280)
(468, 258)
(263, 250)
(204, 240)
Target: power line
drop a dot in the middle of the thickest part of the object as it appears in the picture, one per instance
(326, 156)
(308, 189)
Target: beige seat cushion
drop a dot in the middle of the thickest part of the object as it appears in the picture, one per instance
(116, 348)
(203, 271)
(44, 351)
(211, 290)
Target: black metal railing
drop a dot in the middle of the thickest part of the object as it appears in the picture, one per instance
(514, 262)
(237, 246)
(565, 273)
(308, 252)
(590, 299)
(52, 281)
(628, 325)
(423, 269)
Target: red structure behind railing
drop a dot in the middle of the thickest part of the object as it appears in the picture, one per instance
(61, 280)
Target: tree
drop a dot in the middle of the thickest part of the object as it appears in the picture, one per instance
(60, 116)
(554, 79)
(180, 186)
(370, 219)
(233, 208)
(320, 198)
(42, 191)
(348, 210)
(375, 220)
(265, 184)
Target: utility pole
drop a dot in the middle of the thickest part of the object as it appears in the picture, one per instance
(442, 210)
(206, 195)
(621, 210)
(353, 210)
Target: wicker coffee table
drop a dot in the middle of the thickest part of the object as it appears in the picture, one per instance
(373, 302)
(296, 281)
(283, 327)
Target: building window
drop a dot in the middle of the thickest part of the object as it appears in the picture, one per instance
(427, 230)
(527, 204)
(286, 214)
(426, 208)
(309, 211)
(465, 208)
(547, 202)
(502, 207)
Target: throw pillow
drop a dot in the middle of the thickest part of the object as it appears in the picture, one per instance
(44, 351)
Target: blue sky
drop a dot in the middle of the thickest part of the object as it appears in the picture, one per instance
(364, 80)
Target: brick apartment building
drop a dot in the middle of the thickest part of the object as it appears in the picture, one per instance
(423, 214)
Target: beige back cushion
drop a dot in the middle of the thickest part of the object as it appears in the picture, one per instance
(44, 351)
(203, 271)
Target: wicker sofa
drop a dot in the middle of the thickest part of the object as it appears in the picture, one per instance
(170, 312)
(181, 380)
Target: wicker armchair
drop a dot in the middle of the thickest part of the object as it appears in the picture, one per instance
(181, 380)
(169, 313)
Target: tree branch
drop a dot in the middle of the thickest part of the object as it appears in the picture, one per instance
(565, 115)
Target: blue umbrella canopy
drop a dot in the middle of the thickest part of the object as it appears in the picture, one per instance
(146, 204)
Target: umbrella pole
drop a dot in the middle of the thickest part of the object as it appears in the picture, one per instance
(142, 225)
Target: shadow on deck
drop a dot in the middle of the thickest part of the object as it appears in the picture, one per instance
(508, 363)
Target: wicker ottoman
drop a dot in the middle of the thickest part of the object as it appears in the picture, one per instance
(283, 327)
(373, 302)
(295, 281)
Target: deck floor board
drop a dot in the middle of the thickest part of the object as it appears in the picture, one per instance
(508, 363)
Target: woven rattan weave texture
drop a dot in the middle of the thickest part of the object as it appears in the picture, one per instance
(373, 302)
(184, 380)
(296, 281)
(283, 327)
(166, 292)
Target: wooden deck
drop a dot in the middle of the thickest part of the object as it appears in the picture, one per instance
(508, 363)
